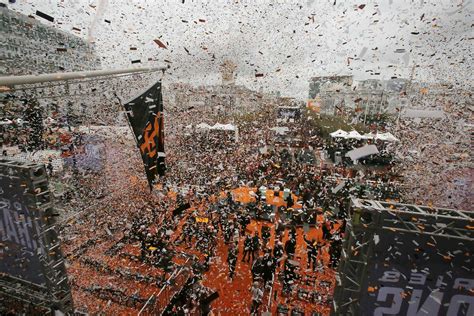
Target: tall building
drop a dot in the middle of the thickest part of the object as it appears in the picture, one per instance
(228, 72)
(324, 83)
(226, 98)
(30, 47)
(338, 95)
(223, 98)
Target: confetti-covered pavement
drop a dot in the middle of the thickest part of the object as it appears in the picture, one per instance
(113, 276)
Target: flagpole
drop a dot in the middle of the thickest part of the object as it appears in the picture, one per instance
(62, 76)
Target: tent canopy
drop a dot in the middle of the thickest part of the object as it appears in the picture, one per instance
(224, 127)
(203, 125)
(339, 133)
(217, 126)
(369, 136)
(387, 137)
(355, 135)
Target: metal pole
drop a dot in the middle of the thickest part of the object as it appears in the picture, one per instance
(146, 303)
(162, 289)
(61, 76)
(269, 305)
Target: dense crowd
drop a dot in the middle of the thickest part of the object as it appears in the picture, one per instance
(200, 169)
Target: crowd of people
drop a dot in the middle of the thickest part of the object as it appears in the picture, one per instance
(204, 177)
(434, 153)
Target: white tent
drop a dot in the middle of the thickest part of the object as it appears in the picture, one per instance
(223, 127)
(386, 137)
(369, 136)
(217, 126)
(354, 135)
(339, 133)
(220, 127)
(351, 135)
(203, 125)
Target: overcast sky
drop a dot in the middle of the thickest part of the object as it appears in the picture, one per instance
(286, 42)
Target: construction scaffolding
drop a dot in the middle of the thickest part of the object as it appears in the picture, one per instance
(372, 220)
(32, 268)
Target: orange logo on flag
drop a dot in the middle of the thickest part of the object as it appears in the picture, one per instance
(151, 131)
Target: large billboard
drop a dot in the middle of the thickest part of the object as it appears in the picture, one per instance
(289, 114)
(414, 275)
(19, 230)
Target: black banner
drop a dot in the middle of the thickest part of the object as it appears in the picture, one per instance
(145, 114)
(418, 275)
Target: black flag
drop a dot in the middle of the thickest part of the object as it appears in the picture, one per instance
(145, 114)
